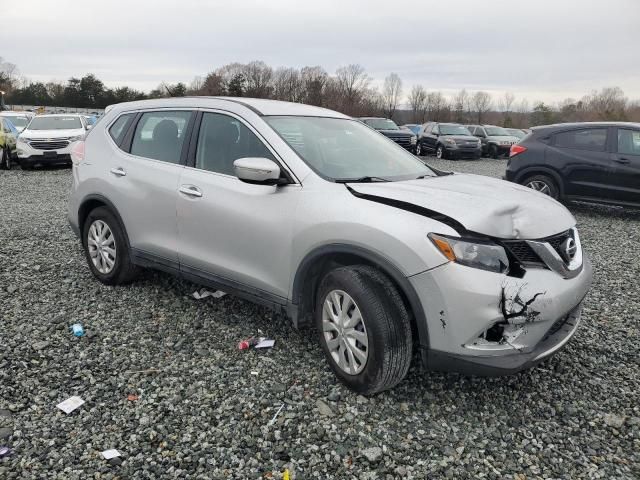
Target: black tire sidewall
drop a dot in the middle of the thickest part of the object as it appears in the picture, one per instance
(343, 279)
(440, 149)
(6, 159)
(550, 182)
(122, 248)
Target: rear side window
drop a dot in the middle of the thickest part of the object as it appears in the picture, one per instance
(594, 139)
(160, 135)
(118, 130)
(628, 142)
(224, 139)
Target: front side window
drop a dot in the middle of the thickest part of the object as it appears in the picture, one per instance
(160, 135)
(343, 149)
(55, 123)
(628, 142)
(594, 139)
(118, 130)
(222, 140)
(435, 130)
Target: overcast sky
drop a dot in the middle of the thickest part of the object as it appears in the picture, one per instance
(540, 49)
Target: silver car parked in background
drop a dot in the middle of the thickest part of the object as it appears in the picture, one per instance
(312, 213)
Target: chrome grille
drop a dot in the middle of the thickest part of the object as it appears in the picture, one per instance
(525, 254)
(53, 144)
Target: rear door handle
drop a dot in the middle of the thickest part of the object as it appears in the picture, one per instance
(118, 172)
(190, 190)
(622, 160)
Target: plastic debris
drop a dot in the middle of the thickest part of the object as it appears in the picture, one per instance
(77, 329)
(111, 453)
(265, 343)
(70, 404)
(285, 475)
(5, 452)
(132, 397)
(272, 421)
(204, 293)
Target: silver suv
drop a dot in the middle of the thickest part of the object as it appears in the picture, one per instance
(318, 216)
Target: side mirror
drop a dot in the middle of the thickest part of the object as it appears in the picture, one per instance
(257, 170)
(88, 127)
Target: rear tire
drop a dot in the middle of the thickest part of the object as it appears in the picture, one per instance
(543, 184)
(106, 248)
(493, 151)
(378, 316)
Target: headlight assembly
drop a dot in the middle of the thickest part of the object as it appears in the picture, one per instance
(414, 140)
(450, 141)
(472, 253)
(76, 138)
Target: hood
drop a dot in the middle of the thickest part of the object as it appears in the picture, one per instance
(483, 205)
(461, 137)
(397, 133)
(74, 132)
(504, 138)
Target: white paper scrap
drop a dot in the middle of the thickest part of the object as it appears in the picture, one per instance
(70, 404)
(111, 453)
(265, 343)
(204, 293)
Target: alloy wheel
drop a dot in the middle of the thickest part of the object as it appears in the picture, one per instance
(540, 186)
(102, 246)
(344, 332)
(439, 153)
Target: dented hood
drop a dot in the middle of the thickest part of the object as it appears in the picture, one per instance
(481, 204)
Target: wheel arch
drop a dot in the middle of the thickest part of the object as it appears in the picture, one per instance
(90, 203)
(319, 261)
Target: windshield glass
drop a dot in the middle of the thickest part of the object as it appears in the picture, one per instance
(414, 128)
(381, 124)
(19, 122)
(496, 131)
(54, 123)
(453, 130)
(515, 132)
(341, 149)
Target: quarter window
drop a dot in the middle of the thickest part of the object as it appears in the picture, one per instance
(224, 139)
(628, 142)
(117, 130)
(594, 139)
(435, 130)
(160, 135)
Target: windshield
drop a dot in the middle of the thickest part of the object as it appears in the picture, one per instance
(497, 132)
(341, 149)
(515, 132)
(414, 128)
(55, 123)
(453, 130)
(19, 122)
(381, 124)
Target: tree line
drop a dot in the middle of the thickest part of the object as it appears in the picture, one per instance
(349, 90)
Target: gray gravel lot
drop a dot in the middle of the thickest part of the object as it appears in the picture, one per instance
(204, 407)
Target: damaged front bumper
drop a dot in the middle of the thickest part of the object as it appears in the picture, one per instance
(484, 323)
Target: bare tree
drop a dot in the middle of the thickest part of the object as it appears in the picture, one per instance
(351, 82)
(313, 80)
(391, 93)
(460, 105)
(482, 104)
(437, 107)
(505, 104)
(213, 85)
(258, 76)
(287, 85)
(417, 101)
(608, 104)
(196, 84)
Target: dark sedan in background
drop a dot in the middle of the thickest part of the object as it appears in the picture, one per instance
(387, 127)
(595, 162)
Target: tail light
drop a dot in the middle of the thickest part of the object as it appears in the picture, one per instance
(516, 150)
(77, 152)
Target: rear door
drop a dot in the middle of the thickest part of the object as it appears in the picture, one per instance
(230, 231)
(626, 165)
(582, 158)
(144, 175)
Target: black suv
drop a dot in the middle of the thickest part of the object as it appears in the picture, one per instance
(597, 162)
(448, 140)
(387, 127)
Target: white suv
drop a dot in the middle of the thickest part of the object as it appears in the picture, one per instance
(318, 216)
(47, 139)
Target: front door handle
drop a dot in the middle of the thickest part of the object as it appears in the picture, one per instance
(190, 190)
(622, 160)
(118, 172)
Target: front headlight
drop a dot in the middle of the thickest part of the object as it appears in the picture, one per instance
(76, 138)
(414, 140)
(450, 141)
(23, 140)
(472, 253)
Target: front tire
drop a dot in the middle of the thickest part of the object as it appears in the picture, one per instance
(419, 151)
(106, 248)
(441, 153)
(543, 184)
(364, 328)
(5, 161)
(493, 152)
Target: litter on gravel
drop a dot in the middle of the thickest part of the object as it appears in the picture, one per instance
(5, 452)
(70, 404)
(204, 293)
(111, 453)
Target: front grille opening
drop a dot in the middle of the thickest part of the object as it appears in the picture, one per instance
(493, 334)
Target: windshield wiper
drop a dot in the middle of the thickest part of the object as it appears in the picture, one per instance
(361, 180)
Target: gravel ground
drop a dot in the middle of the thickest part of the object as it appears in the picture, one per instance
(204, 408)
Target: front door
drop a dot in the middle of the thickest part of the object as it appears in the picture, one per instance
(229, 230)
(626, 165)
